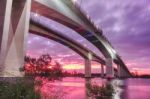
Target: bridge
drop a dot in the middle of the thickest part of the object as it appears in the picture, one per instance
(14, 27)
(40, 29)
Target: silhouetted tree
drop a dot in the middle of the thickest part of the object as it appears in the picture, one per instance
(57, 68)
(42, 65)
(44, 60)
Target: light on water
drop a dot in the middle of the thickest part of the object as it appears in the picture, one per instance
(76, 88)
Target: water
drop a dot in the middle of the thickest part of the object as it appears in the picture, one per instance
(138, 89)
(75, 88)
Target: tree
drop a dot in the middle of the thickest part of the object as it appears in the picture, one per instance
(57, 68)
(42, 66)
(44, 60)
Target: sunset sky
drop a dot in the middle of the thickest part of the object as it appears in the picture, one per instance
(126, 24)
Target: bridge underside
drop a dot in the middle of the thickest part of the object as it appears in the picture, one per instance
(39, 29)
(15, 16)
(66, 13)
(72, 17)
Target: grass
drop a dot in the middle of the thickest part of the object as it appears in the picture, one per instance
(17, 90)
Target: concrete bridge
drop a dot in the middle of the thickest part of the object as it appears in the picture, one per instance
(40, 29)
(14, 27)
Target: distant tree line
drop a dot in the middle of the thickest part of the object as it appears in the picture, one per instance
(41, 66)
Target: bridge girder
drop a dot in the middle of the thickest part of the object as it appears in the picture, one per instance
(15, 27)
(68, 14)
(41, 30)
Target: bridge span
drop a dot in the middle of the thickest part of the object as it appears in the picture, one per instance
(42, 30)
(72, 16)
(15, 15)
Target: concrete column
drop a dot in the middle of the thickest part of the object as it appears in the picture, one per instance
(122, 72)
(109, 68)
(102, 70)
(5, 12)
(14, 35)
(118, 70)
(87, 68)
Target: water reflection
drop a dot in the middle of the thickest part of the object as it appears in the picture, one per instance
(78, 88)
(87, 90)
(119, 88)
(138, 88)
(108, 89)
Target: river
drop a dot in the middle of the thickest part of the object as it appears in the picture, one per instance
(75, 88)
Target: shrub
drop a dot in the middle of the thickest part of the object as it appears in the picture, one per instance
(100, 92)
(17, 90)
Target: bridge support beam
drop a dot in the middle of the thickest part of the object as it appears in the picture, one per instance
(102, 70)
(118, 70)
(121, 72)
(109, 68)
(5, 12)
(87, 68)
(15, 16)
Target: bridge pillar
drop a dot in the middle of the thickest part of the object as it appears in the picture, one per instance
(118, 70)
(109, 68)
(87, 68)
(15, 16)
(4, 21)
(121, 72)
(102, 70)
(124, 74)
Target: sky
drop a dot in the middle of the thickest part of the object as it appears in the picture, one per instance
(126, 24)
